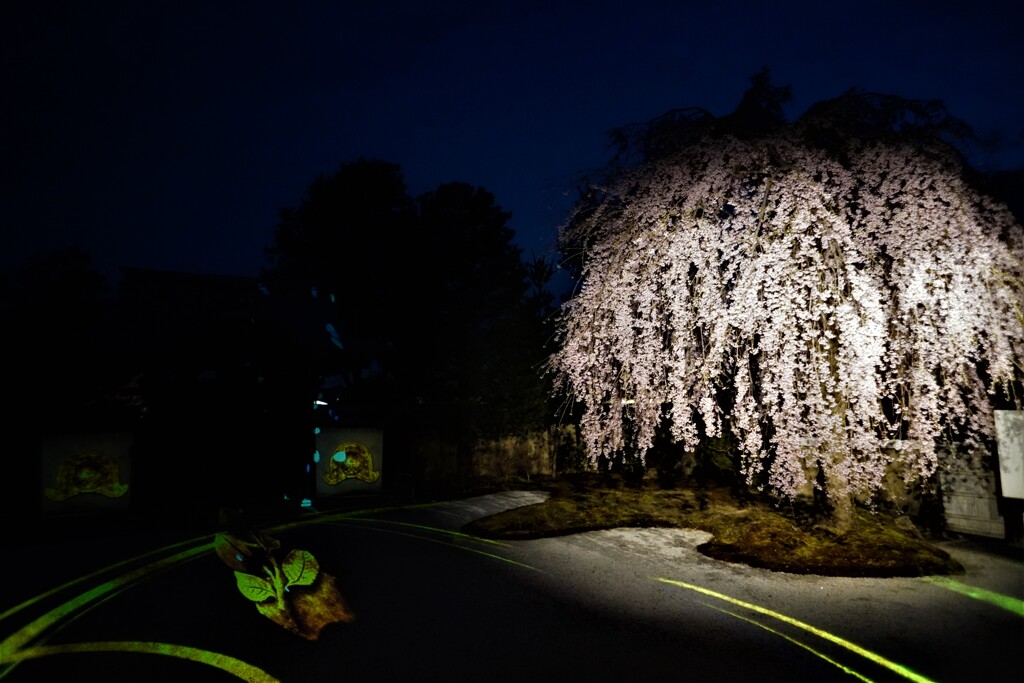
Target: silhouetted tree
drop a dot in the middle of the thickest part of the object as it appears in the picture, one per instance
(349, 239)
(433, 303)
(474, 323)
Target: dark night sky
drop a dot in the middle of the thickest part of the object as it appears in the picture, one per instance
(168, 134)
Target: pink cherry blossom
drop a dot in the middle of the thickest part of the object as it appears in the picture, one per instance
(815, 292)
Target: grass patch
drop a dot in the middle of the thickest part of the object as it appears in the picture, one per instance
(755, 533)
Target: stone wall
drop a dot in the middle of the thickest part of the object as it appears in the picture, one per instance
(514, 457)
(969, 493)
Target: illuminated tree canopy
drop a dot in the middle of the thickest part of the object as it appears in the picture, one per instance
(821, 290)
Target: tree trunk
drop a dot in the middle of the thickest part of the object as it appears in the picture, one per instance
(842, 511)
(840, 498)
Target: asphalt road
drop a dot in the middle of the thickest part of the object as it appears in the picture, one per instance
(430, 604)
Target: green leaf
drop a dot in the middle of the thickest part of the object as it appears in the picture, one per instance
(253, 587)
(300, 568)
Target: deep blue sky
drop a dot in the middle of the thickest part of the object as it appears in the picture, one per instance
(168, 134)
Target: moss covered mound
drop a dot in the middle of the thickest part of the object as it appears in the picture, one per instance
(755, 533)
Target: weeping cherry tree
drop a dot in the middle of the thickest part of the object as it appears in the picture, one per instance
(822, 287)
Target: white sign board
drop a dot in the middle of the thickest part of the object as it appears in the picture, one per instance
(1010, 445)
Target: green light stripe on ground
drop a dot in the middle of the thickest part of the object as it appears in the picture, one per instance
(92, 575)
(1008, 603)
(432, 529)
(853, 647)
(795, 642)
(28, 633)
(235, 667)
(328, 516)
(449, 545)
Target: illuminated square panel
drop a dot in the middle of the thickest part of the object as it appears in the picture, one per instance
(350, 461)
(85, 472)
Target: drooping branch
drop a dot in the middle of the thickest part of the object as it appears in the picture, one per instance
(821, 289)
